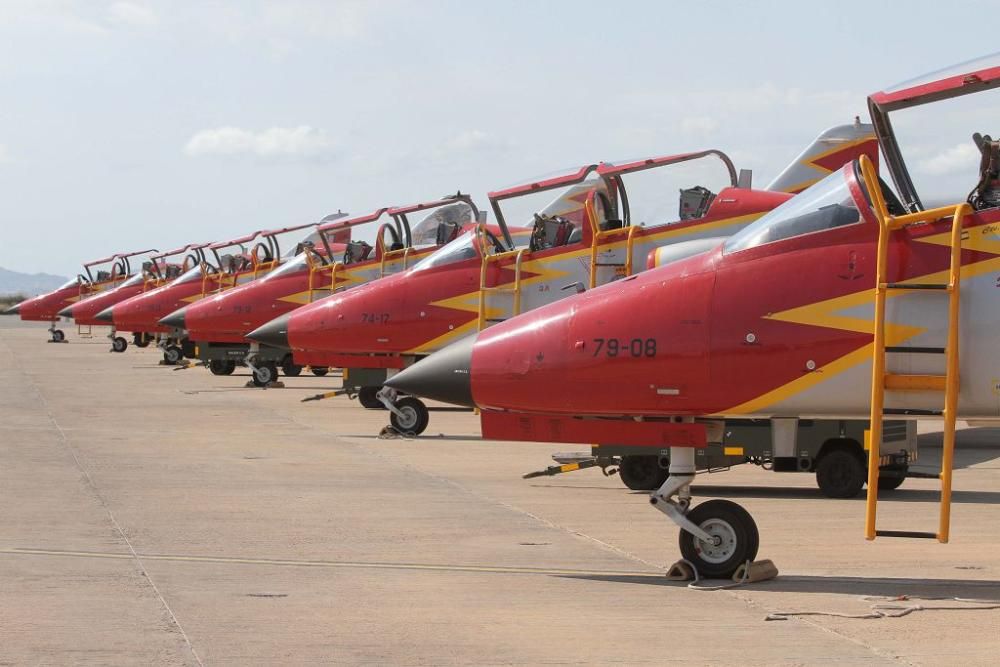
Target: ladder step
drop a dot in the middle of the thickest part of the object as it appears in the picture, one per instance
(914, 350)
(912, 412)
(496, 319)
(906, 533)
(917, 286)
(914, 382)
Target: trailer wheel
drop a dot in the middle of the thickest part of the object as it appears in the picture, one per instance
(735, 533)
(368, 399)
(119, 344)
(140, 340)
(415, 416)
(58, 336)
(840, 473)
(291, 369)
(172, 354)
(319, 371)
(222, 366)
(265, 374)
(642, 472)
(893, 480)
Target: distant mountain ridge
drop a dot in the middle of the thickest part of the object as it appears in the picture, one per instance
(15, 282)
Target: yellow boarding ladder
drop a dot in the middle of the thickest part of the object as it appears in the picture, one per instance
(393, 254)
(603, 235)
(316, 267)
(485, 291)
(948, 383)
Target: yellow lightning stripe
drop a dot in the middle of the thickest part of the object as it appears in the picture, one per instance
(469, 302)
(823, 314)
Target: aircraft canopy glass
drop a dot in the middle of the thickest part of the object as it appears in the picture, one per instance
(190, 275)
(289, 266)
(451, 216)
(825, 205)
(464, 247)
(974, 65)
(70, 283)
(137, 279)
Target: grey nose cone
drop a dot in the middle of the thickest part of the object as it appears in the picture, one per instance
(66, 312)
(443, 376)
(105, 315)
(175, 319)
(274, 333)
(13, 310)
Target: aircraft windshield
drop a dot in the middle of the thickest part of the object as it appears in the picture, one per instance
(70, 283)
(447, 218)
(826, 205)
(289, 266)
(313, 238)
(566, 202)
(190, 275)
(137, 279)
(674, 192)
(464, 247)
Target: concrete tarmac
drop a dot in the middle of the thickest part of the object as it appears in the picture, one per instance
(156, 516)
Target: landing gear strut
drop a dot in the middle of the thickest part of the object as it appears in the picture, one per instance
(717, 536)
(406, 414)
(57, 334)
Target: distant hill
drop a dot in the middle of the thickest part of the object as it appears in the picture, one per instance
(14, 282)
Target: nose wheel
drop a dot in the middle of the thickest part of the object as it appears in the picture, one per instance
(716, 536)
(265, 374)
(222, 366)
(57, 335)
(172, 354)
(406, 414)
(119, 344)
(368, 398)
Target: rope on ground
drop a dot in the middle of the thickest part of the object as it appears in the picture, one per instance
(391, 433)
(886, 607)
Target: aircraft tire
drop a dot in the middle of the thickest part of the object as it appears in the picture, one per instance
(415, 416)
(892, 482)
(367, 398)
(265, 374)
(140, 340)
(733, 526)
(58, 335)
(119, 344)
(319, 371)
(172, 354)
(840, 473)
(222, 366)
(291, 370)
(642, 472)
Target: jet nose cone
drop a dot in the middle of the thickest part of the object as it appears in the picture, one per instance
(443, 376)
(105, 315)
(174, 319)
(274, 333)
(66, 312)
(13, 310)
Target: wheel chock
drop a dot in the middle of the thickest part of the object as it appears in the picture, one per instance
(758, 570)
(680, 571)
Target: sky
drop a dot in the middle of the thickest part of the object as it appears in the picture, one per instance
(134, 124)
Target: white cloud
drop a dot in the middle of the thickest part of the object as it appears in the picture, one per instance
(295, 143)
(699, 124)
(132, 14)
(475, 141)
(962, 157)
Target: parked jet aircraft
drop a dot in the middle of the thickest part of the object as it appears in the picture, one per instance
(99, 275)
(848, 302)
(605, 220)
(159, 270)
(224, 265)
(219, 324)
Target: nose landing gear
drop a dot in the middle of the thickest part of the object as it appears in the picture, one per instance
(717, 536)
(406, 414)
(57, 335)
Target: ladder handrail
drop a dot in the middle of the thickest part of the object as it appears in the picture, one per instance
(518, 255)
(315, 269)
(392, 254)
(888, 223)
(599, 235)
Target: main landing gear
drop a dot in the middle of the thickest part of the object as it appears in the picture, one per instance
(717, 536)
(57, 335)
(408, 415)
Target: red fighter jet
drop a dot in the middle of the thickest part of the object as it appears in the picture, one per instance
(847, 302)
(159, 270)
(219, 324)
(605, 219)
(100, 275)
(231, 263)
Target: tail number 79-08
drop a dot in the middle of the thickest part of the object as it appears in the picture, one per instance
(637, 347)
